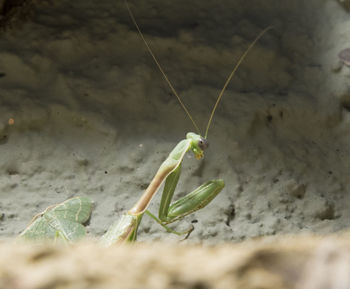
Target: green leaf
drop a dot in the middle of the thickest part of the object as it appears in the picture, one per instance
(63, 220)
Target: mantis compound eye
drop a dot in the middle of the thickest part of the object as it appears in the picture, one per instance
(203, 143)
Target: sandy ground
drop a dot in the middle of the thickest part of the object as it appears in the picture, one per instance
(93, 116)
(286, 263)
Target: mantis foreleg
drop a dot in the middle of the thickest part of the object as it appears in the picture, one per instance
(199, 198)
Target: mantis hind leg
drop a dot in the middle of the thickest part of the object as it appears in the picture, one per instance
(169, 230)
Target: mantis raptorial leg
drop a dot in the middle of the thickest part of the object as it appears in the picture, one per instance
(126, 228)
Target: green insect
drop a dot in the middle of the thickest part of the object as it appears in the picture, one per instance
(60, 222)
(65, 220)
(126, 228)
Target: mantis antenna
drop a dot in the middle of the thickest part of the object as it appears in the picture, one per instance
(231, 75)
(161, 69)
(173, 89)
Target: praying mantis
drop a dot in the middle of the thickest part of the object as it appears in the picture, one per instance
(126, 228)
(66, 220)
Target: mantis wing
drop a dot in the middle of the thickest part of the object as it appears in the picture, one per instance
(122, 230)
(63, 220)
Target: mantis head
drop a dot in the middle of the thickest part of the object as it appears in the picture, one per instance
(198, 144)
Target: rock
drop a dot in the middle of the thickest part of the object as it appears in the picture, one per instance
(344, 56)
(297, 190)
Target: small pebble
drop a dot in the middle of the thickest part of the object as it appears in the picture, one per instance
(344, 56)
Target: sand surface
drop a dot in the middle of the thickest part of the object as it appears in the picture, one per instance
(284, 263)
(93, 116)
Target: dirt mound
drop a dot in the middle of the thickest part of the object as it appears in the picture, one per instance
(290, 262)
